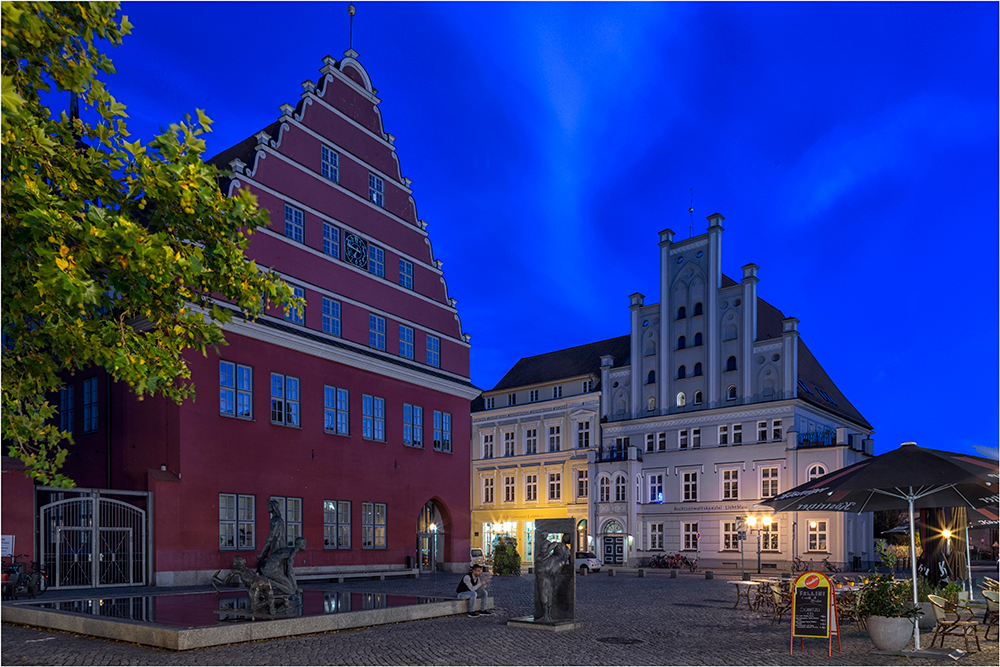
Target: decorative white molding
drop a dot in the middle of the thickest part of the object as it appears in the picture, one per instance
(768, 347)
(677, 249)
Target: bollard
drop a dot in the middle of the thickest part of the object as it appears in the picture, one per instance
(642, 572)
(584, 571)
(611, 572)
(673, 574)
(709, 574)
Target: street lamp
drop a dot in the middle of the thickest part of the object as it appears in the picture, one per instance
(765, 525)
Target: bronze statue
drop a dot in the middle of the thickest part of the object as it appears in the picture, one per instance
(277, 538)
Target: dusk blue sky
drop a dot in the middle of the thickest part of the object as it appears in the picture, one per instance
(852, 148)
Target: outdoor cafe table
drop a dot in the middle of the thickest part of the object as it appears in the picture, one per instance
(745, 594)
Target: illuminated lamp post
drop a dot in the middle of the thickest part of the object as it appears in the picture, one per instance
(765, 524)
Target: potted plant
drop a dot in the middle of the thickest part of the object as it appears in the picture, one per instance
(924, 588)
(889, 614)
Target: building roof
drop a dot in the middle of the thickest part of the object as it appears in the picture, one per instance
(571, 362)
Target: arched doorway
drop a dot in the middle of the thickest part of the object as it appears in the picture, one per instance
(581, 536)
(614, 543)
(430, 537)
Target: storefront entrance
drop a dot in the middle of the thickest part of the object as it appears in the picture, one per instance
(430, 538)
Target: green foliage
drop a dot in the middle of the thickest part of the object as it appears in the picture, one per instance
(506, 560)
(115, 253)
(887, 555)
(881, 596)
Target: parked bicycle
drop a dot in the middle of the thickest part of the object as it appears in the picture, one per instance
(24, 582)
(830, 567)
(798, 565)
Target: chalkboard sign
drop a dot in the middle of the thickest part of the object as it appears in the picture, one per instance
(812, 606)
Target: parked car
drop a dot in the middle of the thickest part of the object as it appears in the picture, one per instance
(587, 560)
(476, 557)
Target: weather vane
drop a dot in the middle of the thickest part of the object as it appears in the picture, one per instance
(351, 10)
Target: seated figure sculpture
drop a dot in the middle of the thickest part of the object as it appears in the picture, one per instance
(280, 570)
(259, 589)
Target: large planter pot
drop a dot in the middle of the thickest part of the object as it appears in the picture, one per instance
(927, 620)
(889, 634)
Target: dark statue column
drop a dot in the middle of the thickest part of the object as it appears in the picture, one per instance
(555, 570)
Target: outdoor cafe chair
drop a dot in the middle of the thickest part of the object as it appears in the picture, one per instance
(781, 604)
(953, 620)
(992, 611)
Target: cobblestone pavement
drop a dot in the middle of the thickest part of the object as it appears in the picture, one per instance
(627, 620)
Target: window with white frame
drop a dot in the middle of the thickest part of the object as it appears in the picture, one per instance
(650, 442)
(487, 442)
(730, 536)
(731, 484)
(331, 316)
(555, 486)
(555, 443)
(294, 315)
(442, 431)
(490, 403)
(508, 488)
(582, 435)
(336, 524)
(531, 441)
(291, 511)
(413, 425)
(620, 488)
(588, 386)
(330, 164)
(817, 535)
(762, 431)
(661, 442)
(235, 390)
(695, 438)
(532, 395)
(768, 482)
(775, 429)
(373, 525)
(557, 392)
(604, 487)
(724, 435)
(690, 536)
(376, 260)
(236, 521)
(769, 537)
(376, 190)
(376, 331)
(433, 351)
(816, 471)
(406, 273)
(66, 409)
(487, 490)
(512, 399)
(405, 341)
(737, 434)
(531, 487)
(656, 488)
(336, 404)
(655, 536)
(284, 400)
(682, 439)
(372, 417)
(689, 486)
(331, 240)
(508, 443)
(90, 405)
(294, 223)
(681, 399)
(582, 483)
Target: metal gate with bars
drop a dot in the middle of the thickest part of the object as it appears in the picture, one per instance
(91, 540)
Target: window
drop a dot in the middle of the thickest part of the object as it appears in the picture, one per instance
(66, 411)
(508, 443)
(372, 417)
(330, 164)
(681, 313)
(376, 331)
(817, 535)
(533, 395)
(405, 273)
(376, 260)
(697, 342)
(235, 390)
(690, 486)
(487, 490)
(768, 482)
(557, 392)
(335, 410)
(656, 536)
(291, 512)
(724, 435)
(697, 397)
(651, 378)
(331, 316)
(433, 351)
(816, 471)
(582, 483)
(236, 521)
(776, 429)
(690, 536)
(730, 536)
(90, 405)
(761, 431)
(698, 311)
(769, 537)
(681, 343)
(731, 364)
(681, 399)
(294, 224)
(737, 434)
(284, 399)
(413, 425)
(442, 431)
(490, 403)
(582, 435)
(605, 490)
(731, 393)
(650, 442)
(294, 315)
(656, 488)
(331, 240)
(405, 341)
(695, 438)
(620, 489)
(661, 442)
(588, 386)
(531, 441)
(697, 369)
(531, 487)
(803, 385)
(682, 439)
(681, 372)
(508, 488)
(554, 439)
(555, 486)
(336, 524)
(731, 484)
(376, 190)
(373, 525)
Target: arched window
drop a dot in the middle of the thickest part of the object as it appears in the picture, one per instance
(613, 527)
(681, 399)
(651, 378)
(697, 369)
(731, 393)
(697, 398)
(697, 308)
(816, 471)
(681, 343)
(620, 489)
(681, 313)
(650, 347)
(651, 403)
(681, 373)
(697, 339)
(730, 332)
(605, 486)
(621, 406)
(731, 364)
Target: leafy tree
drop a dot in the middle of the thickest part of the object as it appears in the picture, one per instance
(115, 254)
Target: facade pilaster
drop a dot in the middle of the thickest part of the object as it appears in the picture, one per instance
(790, 356)
(750, 327)
(663, 370)
(713, 335)
(636, 361)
